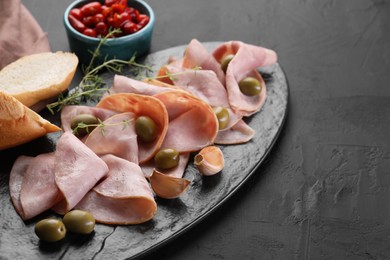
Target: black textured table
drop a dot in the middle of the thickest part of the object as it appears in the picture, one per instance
(323, 190)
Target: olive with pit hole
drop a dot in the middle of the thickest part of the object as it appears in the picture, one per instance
(50, 230)
(146, 128)
(79, 221)
(225, 61)
(83, 124)
(223, 117)
(250, 86)
(167, 158)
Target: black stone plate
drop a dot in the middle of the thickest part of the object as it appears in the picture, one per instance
(174, 217)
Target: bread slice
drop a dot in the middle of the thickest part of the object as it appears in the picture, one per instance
(19, 124)
(38, 77)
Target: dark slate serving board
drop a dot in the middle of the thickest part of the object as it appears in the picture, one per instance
(174, 217)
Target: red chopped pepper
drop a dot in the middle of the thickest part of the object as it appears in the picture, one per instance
(94, 19)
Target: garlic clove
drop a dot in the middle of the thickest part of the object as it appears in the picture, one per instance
(209, 160)
(166, 186)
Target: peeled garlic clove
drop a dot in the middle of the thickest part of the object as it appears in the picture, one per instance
(166, 186)
(209, 160)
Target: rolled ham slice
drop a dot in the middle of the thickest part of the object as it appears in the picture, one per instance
(77, 170)
(68, 112)
(141, 105)
(245, 63)
(124, 197)
(192, 122)
(117, 137)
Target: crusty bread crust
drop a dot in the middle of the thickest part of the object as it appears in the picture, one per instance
(19, 124)
(38, 77)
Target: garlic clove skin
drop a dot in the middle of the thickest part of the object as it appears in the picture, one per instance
(167, 187)
(209, 160)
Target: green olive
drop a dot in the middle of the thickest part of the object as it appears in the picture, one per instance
(250, 86)
(223, 116)
(83, 124)
(146, 128)
(50, 230)
(79, 221)
(167, 158)
(225, 61)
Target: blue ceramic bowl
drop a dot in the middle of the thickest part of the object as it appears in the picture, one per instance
(123, 47)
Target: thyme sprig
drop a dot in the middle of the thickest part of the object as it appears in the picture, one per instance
(101, 125)
(92, 84)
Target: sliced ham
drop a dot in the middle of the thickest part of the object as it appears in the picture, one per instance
(77, 170)
(124, 197)
(262, 56)
(205, 85)
(245, 63)
(32, 185)
(141, 105)
(239, 133)
(39, 191)
(196, 55)
(117, 137)
(122, 84)
(192, 122)
(69, 112)
(16, 176)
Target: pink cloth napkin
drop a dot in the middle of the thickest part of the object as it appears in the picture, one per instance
(20, 33)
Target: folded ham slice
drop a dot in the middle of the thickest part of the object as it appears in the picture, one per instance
(15, 182)
(205, 85)
(39, 191)
(117, 137)
(32, 185)
(69, 112)
(245, 63)
(77, 170)
(192, 122)
(237, 134)
(261, 56)
(141, 105)
(196, 55)
(123, 84)
(124, 197)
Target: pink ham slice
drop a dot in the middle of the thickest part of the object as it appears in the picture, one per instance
(39, 191)
(262, 56)
(124, 197)
(77, 170)
(32, 185)
(122, 84)
(15, 181)
(68, 112)
(141, 105)
(118, 137)
(196, 55)
(205, 85)
(239, 133)
(192, 122)
(245, 62)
